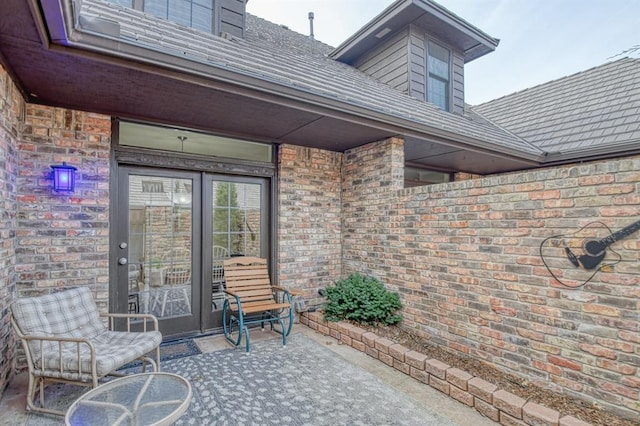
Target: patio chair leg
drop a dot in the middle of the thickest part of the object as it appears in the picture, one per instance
(228, 322)
(187, 301)
(157, 300)
(246, 339)
(36, 385)
(284, 333)
(291, 318)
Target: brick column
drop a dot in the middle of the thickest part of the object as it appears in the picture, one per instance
(63, 238)
(11, 107)
(309, 207)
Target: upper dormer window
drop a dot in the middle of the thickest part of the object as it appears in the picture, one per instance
(213, 16)
(196, 14)
(438, 75)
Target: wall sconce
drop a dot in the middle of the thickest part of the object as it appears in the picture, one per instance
(64, 178)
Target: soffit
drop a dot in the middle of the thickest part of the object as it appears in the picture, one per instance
(436, 156)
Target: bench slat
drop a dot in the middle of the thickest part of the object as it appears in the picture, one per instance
(248, 283)
(252, 294)
(261, 308)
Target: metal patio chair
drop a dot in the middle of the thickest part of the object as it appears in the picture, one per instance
(176, 283)
(66, 340)
(217, 273)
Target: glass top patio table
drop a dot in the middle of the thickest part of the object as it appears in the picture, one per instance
(137, 399)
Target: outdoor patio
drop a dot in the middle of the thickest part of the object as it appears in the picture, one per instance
(313, 380)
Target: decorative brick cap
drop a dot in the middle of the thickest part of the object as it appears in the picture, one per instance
(509, 403)
(537, 414)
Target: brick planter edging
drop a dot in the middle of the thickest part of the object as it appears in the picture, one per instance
(496, 404)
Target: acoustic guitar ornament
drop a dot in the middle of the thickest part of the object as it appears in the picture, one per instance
(588, 250)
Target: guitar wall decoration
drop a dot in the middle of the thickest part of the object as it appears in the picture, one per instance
(574, 259)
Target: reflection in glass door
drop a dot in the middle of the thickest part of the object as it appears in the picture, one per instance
(236, 226)
(236, 217)
(173, 231)
(161, 279)
(160, 238)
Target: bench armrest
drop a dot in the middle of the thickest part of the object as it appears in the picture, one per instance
(60, 340)
(294, 293)
(146, 318)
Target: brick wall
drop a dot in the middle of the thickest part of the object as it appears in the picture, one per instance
(49, 240)
(466, 257)
(309, 203)
(372, 176)
(11, 107)
(62, 239)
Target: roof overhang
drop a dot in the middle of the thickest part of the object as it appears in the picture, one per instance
(426, 14)
(60, 59)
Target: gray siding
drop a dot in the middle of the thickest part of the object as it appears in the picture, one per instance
(232, 17)
(389, 62)
(418, 64)
(418, 70)
(457, 84)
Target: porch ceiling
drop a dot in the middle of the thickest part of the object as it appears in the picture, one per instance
(70, 77)
(62, 77)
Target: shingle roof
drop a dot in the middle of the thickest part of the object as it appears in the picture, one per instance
(597, 109)
(274, 36)
(276, 55)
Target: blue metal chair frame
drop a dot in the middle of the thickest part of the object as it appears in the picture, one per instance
(232, 318)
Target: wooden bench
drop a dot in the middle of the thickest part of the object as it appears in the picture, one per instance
(251, 299)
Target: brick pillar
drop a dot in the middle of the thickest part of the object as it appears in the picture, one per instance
(309, 207)
(63, 238)
(11, 108)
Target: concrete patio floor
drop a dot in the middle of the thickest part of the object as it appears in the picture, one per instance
(12, 405)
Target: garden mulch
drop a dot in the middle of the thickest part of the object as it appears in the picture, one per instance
(566, 405)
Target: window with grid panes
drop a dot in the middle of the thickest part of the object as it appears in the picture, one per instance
(438, 75)
(196, 14)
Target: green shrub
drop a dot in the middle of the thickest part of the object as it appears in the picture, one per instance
(364, 300)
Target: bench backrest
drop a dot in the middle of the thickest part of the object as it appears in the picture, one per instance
(248, 277)
(69, 313)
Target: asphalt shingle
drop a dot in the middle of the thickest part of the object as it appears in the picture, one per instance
(274, 54)
(594, 109)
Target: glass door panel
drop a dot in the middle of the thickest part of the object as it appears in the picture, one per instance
(237, 222)
(236, 218)
(160, 238)
(174, 229)
(163, 278)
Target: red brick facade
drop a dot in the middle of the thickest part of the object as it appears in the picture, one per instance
(48, 239)
(309, 222)
(11, 107)
(465, 256)
(63, 239)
